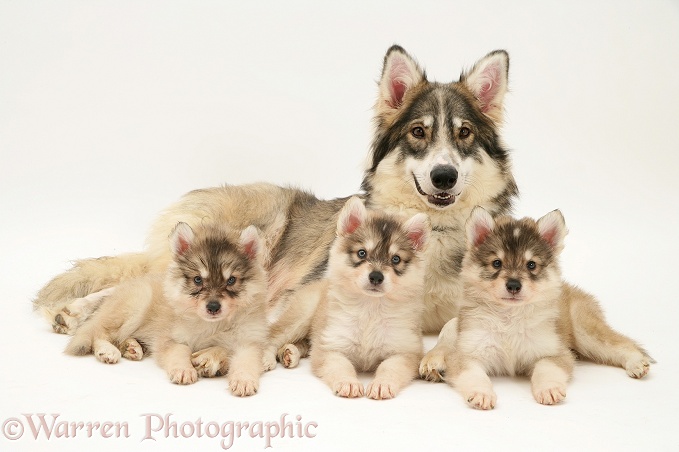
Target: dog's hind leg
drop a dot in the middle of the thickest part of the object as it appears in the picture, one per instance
(433, 365)
(594, 339)
(67, 320)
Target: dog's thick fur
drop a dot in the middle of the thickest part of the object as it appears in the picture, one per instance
(436, 150)
(370, 317)
(211, 297)
(518, 317)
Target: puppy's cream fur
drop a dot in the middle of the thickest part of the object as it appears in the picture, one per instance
(519, 318)
(370, 317)
(212, 298)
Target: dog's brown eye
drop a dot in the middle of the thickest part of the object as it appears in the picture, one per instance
(418, 132)
(231, 281)
(464, 132)
(497, 263)
(531, 265)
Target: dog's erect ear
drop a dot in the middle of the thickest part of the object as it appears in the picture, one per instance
(181, 238)
(400, 74)
(352, 215)
(479, 225)
(487, 81)
(552, 228)
(418, 229)
(250, 242)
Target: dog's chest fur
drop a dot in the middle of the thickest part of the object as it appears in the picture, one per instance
(509, 340)
(368, 330)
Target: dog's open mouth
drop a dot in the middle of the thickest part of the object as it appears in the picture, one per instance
(440, 199)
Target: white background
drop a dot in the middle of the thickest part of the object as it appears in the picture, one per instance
(109, 111)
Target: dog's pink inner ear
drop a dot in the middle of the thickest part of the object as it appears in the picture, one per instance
(550, 235)
(489, 87)
(481, 232)
(352, 223)
(250, 249)
(400, 77)
(182, 245)
(417, 238)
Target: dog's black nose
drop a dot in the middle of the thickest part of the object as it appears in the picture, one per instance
(376, 278)
(213, 307)
(443, 177)
(513, 286)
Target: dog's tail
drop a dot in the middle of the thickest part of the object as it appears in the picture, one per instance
(88, 276)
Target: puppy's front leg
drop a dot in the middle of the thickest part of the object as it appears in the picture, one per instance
(433, 365)
(337, 372)
(392, 375)
(245, 369)
(549, 378)
(470, 378)
(176, 360)
(211, 362)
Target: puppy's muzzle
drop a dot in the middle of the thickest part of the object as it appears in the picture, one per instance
(213, 307)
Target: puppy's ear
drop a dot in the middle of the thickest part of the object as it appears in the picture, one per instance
(418, 230)
(181, 239)
(400, 74)
(251, 243)
(552, 228)
(487, 81)
(479, 225)
(352, 215)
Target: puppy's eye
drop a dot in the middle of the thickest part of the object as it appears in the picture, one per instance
(198, 281)
(396, 259)
(531, 265)
(231, 281)
(361, 254)
(417, 132)
(497, 263)
(464, 132)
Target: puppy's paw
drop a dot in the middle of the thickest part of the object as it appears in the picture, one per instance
(433, 366)
(243, 386)
(550, 394)
(481, 400)
(210, 363)
(268, 361)
(289, 355)
(381, 390)
(66, 321)
(185, 376)
(350, 389)
(638, 368)
(131, 349)
(107, 353)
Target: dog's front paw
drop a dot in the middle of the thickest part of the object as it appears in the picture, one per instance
(242, 386)
(638, 368)
(268, 361)
(350, 389)
(289, 355)
(433, 366)
(550, 394)
(481, 400)
(185, 376)
(132, 350)
(210, 363)
(381, 390)
(107, 353)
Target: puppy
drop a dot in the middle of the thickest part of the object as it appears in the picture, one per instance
(212, 298)
(519, 318)
(370, 317)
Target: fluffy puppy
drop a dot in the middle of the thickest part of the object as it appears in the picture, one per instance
(370, 317)
(518, 317)
(212, 298)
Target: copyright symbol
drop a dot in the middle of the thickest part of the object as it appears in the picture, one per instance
(13, 429)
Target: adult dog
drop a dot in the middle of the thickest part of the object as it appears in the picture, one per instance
(436, 149)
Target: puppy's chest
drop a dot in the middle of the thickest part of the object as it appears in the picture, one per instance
(510, 345)
(198, 335)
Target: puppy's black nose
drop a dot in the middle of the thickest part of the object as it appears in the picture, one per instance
(443, 177)
(513, 286)
(376, 278)
(213, 307)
